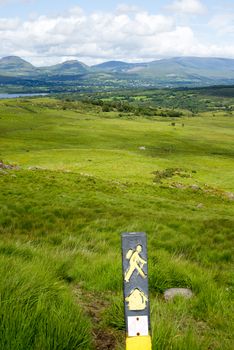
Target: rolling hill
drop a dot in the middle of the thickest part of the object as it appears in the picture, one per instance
(178, 71)
(191, 67)
(16, 66)
(119, 67)
(66, 68)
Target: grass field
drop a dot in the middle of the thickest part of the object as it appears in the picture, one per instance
(81, 177)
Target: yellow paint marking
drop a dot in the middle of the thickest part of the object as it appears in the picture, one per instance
(139, 343)
(135, 263)
(137, 300)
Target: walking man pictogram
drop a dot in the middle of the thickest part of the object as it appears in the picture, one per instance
(135, 263)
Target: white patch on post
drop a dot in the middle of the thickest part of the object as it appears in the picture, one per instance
(138, 326)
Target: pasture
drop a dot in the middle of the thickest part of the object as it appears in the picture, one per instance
(78, 178)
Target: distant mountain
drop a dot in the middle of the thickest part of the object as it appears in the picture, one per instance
(118, 67)
(66, 68)
(178, 71)
(16, 66)
(191, 67)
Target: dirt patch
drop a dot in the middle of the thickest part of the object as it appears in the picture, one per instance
(8, 166)
(205, 189)
(94, 305)
(169, 173)
(103, 340)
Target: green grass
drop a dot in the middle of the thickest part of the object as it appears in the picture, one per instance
(36, 310)
(60, 224)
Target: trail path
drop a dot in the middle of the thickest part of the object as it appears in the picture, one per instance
(94, 305)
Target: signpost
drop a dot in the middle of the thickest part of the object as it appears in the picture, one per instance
(136, 295)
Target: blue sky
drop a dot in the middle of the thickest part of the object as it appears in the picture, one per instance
(46, 32)
(23, 8)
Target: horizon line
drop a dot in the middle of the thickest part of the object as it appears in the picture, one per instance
(115, 60)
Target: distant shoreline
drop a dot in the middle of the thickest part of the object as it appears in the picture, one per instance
(10, 96)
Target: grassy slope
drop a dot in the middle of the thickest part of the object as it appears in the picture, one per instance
(63, 228)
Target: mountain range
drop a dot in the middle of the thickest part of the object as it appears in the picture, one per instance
(192, 71)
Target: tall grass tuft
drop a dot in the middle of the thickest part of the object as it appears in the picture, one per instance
(36, 311)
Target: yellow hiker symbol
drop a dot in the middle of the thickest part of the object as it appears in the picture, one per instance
(135, 263)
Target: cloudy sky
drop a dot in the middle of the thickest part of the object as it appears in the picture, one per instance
(47, 32)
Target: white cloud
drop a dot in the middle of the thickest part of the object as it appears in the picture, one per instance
(101, 36)
(223, 23)
(193, 7)
(9, 24)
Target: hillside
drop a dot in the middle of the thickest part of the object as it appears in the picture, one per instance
(118, 67)
(180, 71)
(16, 66)
(65, 68)
(191, 68)
(73, 177)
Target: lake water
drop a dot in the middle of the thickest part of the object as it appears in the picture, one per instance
(3, 96)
